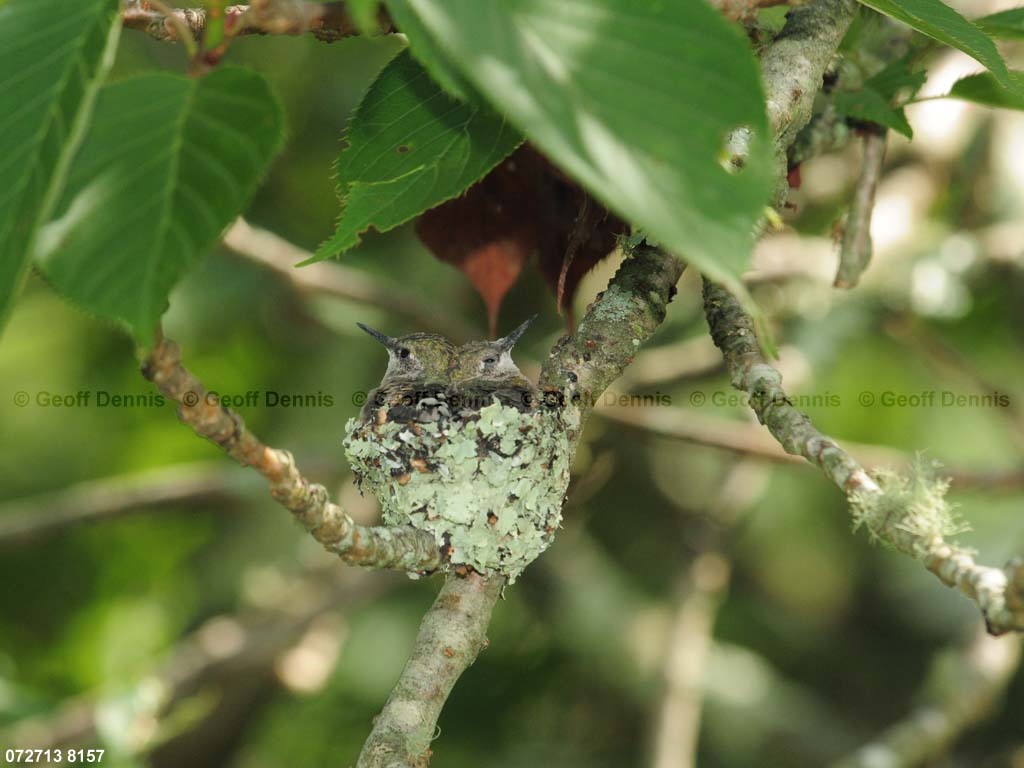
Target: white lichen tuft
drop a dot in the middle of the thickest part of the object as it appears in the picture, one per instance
(489, 489)
(908, 511)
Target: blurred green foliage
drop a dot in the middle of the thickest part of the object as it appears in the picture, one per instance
(822, 639)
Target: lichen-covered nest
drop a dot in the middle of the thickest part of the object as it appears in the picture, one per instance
(490, 488)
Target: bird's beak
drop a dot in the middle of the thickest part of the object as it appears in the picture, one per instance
(387, 341)
(507, 342)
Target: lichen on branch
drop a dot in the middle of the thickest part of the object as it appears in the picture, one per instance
(624, 316)
(909, 513)
(451, 635)
(908, 510)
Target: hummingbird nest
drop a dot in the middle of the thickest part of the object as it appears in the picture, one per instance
(489, 487)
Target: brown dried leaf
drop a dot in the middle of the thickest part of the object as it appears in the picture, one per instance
(488, 233)
(524, 206)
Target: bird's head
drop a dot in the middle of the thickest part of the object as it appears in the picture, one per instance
(488, 360)
(425, 357)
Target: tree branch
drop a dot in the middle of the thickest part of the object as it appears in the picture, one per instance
(625, 315)
(700, 591)
(962, 688)
(24, 520)
(692, 358)
(743, 10)
(702, 588)
(793, 67)
(222, 651)
(998, 593)
(740, 437)
(855, 247)
(451, 635)
(399, 547)
(826, 132)
(329, 21)
(273, 251)
(745, 438)
(453, 631)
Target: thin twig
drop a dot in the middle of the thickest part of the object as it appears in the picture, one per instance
(740, 437)
(582, 229)
(962, 689)
(701, 590)
(999, 594)
(792, 67)
(855, 247)
(692, 358)
(328, 21)
(398, 547)
(690, 640)
(333, 279)
(223, 650)
(625, 641)
(451, 635)
(918, 337)
(177, 25)
(35, 517)
(746, 438)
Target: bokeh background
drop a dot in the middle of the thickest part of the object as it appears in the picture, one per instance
(717, 590)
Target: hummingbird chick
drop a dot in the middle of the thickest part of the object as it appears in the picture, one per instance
(484, 371)
(453, 443)
(415, 384)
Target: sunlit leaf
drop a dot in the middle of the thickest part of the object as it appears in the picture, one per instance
(635, 100)
(410, 147)
(169, 162)
(428, 53)
(1005, 24)
(940, 22)
(982, 88)
(54, 55)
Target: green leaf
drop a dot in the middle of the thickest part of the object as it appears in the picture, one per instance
(169, 162)
(983, 89)
(870, 105)
(364, 15)
(940, 22)
(410, 147)
(1005, 24)
(897, 78)
(636, 100)
(54, 56)
(428, 53)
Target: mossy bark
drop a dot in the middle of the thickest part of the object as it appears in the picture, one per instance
(451, 635)
(622, 318)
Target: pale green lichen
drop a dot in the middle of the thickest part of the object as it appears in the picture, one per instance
(490, 489)
(908, 511)
(616, 305)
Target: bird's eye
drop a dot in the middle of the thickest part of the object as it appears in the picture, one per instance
(490, 360)
(404, 353)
